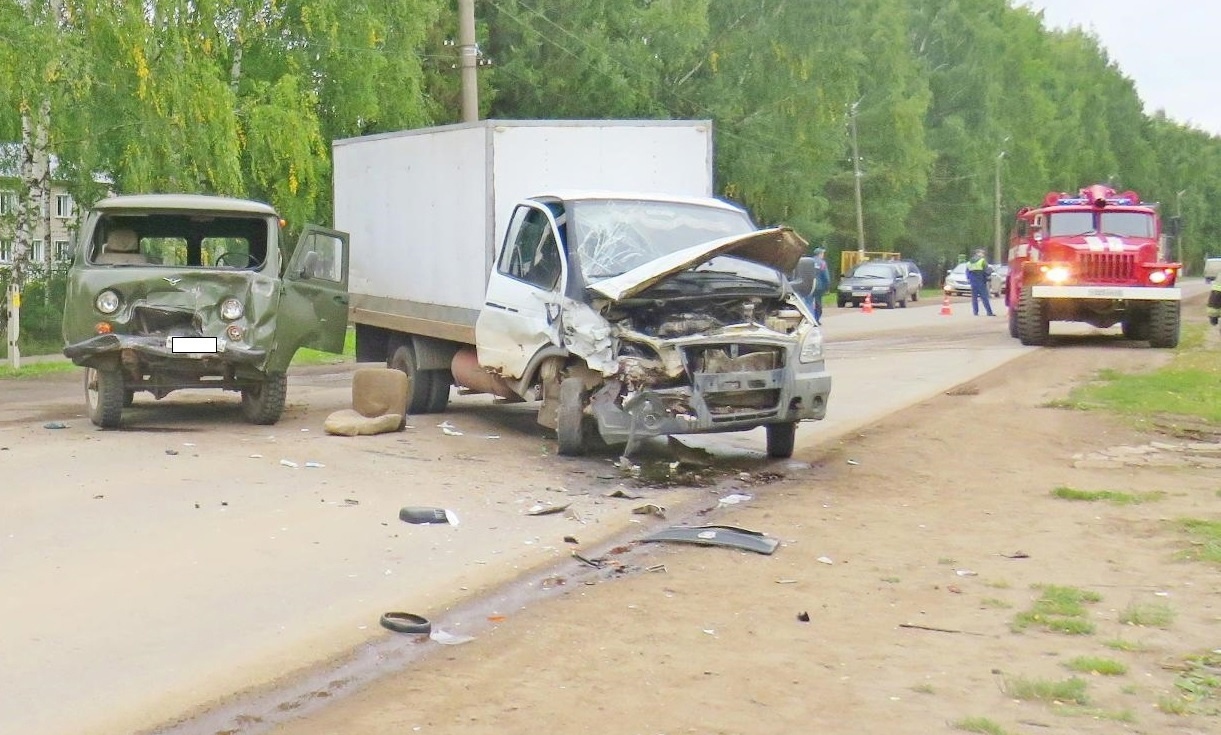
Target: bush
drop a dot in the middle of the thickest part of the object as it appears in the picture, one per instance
(42, 310)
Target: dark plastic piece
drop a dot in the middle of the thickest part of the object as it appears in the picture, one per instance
(413, 514)
(737, 538)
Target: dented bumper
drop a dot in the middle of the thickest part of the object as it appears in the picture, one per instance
(105, 347)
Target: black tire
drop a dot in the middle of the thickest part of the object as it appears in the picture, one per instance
(419, 382)
(263, 404)
(1032, 319)
(570, 423)
(902, 303)
(438, 399)
(1164, 320)
(104, 395)
(1013, 323)
(890, 300)
(780, 440)
(1136, 327)
(840, 301)
(915, 296)
(403, 622)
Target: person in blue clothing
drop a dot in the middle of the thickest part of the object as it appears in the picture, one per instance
(978, 273)
(813, 280)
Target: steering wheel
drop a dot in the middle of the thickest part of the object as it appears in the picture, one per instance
(240, 260)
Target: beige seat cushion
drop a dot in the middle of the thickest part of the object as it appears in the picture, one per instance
(122, 248)
(379, 391)
(350, 423)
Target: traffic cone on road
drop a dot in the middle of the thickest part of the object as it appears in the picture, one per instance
(867, 307)
(945, 306)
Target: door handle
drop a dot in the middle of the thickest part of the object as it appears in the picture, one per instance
(341, 298)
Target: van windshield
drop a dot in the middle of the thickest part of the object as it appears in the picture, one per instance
(613, 236)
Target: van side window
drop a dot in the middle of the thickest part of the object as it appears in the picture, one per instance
(531, 253)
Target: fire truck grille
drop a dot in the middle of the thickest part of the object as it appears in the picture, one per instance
(1106, 267)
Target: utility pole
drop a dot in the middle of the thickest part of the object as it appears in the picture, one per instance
(856, 178)
(12, 301)
(998, 242)
(470, 56)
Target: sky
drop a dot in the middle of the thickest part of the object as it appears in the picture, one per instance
(1171, 49)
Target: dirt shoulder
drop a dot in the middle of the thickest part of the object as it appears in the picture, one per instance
(941, 517)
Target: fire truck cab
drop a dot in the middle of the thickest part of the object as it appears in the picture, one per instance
(1092, 257)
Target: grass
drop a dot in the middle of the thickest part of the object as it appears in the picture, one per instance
(1096, 665)
(995, 603)
(1197, 687)
(1112, 496)
(1148, 615)
(307, 356)
(1206, 539)
(980, 725)
(924, 689)
(1059, 609)
(1070, 691)
(1184, 387)
(35, 369)
(1119, 644)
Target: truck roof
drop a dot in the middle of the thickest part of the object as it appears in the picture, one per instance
(571, 195)
(192, 202)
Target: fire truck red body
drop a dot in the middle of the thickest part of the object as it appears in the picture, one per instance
(1094, 258)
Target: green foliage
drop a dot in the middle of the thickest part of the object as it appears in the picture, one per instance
(1112, 496)
(979, 725)
(1149, 614)
(1096, 665)
(1070, 691)
(1206, 539)
(1059, 609)
(1197, 688)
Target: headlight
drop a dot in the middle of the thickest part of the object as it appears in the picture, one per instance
(107, 302)
(1157, 277)
(811, 346)
(231, 309)
(1057, 274)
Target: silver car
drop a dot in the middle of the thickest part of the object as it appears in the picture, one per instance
(956, 282)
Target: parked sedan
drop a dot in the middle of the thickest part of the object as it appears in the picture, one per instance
(956, 283)
(996, 284)
(915, 279)
(881, 282)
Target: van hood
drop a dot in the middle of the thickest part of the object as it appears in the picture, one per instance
(776, 247)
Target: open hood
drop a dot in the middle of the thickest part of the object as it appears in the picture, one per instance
(776, 247)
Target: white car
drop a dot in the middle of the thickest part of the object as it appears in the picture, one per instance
(956, 283)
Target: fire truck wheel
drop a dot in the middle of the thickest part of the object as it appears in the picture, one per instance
(1164, 324)
(1013, 321)
(1032, 319)
(1136, 326)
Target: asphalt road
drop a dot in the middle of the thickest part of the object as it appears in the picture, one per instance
(159, 570)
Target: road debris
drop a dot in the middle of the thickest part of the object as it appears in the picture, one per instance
(734, 499)
(288, 463)
(404, 622)
(803, 616)
(966, 573)
(786, 581)
(621, 493)
(449, 639)
(656, 568)
(728, 536)
(171, 452)
(825, 560)
(448, 429)
(314, 464)
(55, 425)
(571, 540)
(853, 462)
(650, 509)
(586, 561)
(416, 514)
(544, 509)
(1017, 555)
(913, 626)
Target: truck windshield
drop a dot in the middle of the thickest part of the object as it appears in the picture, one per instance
(1130, 224)
(613, 236)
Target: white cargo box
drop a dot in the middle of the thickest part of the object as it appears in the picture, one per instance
(427, 208)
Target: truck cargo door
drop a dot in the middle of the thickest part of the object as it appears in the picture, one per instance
(313, 310)
(521, 313)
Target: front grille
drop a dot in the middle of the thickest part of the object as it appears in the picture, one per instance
(1106, 267)
(734, 358)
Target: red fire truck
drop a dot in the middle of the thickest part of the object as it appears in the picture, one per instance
(1094, 258)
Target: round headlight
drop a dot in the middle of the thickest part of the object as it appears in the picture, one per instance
(1157, 277)
(107, 302)
(231, 309)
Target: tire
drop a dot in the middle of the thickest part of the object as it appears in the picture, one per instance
(570, 423)
(402, 622)
(902, 303)
(438, 398)
(104, 395)
(890, 300)
(780, 440)
(915, 296)
(1032, 319)
(263, 404)
(419, 382)
(1164, 321)
(1013, 323)
(840, 301)
(1136, 327)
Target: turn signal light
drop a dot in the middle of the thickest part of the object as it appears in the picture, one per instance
(234, 333)
(103, 328)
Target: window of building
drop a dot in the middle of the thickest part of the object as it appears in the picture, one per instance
(62, 251)
(63, 206)
(8, 202)
(6, 251)
(39, 251)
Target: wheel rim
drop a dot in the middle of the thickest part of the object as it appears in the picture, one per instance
(92, 398)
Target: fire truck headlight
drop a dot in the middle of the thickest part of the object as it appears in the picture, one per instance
(1057, 274)
(1157, 277)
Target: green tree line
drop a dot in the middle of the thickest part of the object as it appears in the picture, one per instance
(242, 97)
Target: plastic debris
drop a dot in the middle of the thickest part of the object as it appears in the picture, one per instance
(545, 510)
(256, 456)
(288, 463)
(738, 538)
(314, 464)
(650, 509)
(446, 638)
(448, 429)
(621, 493)
(171, 452)
(734, 499)
(825, 560)
(416, 514)
(966, 573)
(55, 425)
(853, 462)
(803, 616)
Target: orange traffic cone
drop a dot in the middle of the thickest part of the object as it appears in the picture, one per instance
(867, 307)
(945, 306)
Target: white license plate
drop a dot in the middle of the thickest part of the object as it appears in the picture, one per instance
(193, 345)
(860, 293)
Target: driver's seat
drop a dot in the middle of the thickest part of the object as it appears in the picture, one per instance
(122, 248)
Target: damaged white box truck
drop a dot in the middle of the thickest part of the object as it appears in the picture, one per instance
(583, 265)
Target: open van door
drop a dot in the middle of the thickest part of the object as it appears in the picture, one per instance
(313, 296)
